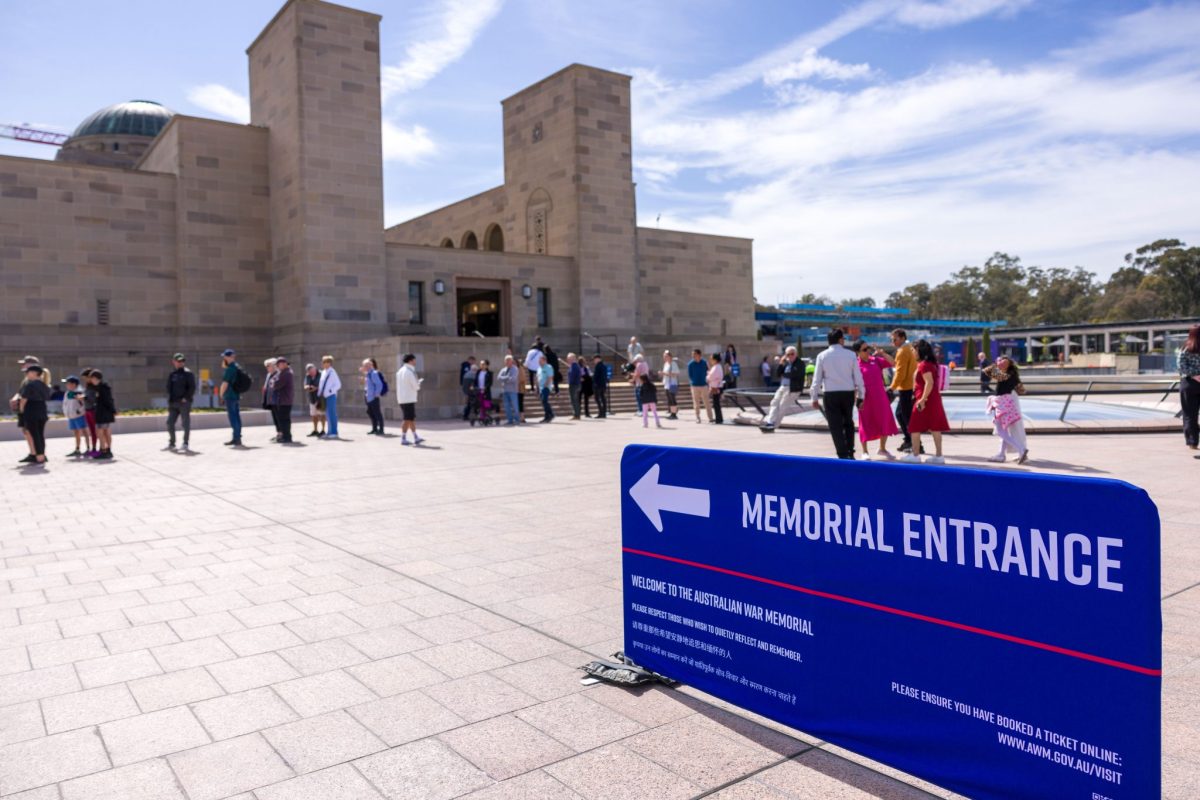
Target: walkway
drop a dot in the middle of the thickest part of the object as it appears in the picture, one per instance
(358, 619)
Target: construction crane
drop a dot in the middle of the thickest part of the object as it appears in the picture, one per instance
(26, 134)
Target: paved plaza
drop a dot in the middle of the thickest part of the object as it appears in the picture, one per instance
(356, 619)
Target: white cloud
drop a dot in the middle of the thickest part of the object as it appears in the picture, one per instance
(443, 34)
(861, 191)
(917, 13)
(812, 65)
(220, 100)
(953, 12)
(406, 145)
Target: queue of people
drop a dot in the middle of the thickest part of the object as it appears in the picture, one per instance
(845, 380)
(588, 382)
(321, 389)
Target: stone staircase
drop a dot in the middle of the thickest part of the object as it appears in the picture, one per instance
(621, 402)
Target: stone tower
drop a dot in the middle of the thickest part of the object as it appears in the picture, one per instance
(314, 83)
(569, 168)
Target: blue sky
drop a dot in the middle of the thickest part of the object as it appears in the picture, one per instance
(863, 145)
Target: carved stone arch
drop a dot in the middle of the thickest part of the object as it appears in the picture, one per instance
(537, 221)
(493, 238)
(447, 242)
(470, 241)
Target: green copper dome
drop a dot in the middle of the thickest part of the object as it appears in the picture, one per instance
(134, 118)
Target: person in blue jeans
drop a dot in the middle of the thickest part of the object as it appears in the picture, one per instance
(545, 382)
(230, 396)
(330, 384)
(373, 389)
(509, 380)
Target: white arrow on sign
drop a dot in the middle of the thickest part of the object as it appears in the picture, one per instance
(653, 498)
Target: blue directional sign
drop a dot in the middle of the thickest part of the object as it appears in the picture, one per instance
(992, 632)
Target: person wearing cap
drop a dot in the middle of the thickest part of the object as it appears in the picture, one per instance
(328, 389)
(227, 394)
(407, 387)
(34, 394)
(284, 390)
(15, 402)
(181, 391)
(72, 408)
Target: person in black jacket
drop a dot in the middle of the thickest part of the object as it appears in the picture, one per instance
(552, 360)
(31, 405)
(181, 391)
(106, 414)
(285, 396)
(600, 386)
(484, 380)
(791, 384)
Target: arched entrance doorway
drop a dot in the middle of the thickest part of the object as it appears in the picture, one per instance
(482, 307)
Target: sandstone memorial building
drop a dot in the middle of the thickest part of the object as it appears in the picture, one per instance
(155, 232)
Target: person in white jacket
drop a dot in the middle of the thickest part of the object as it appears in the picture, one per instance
(407, 386)
(328, 387)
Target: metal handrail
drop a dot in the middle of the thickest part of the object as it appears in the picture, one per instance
(601, 342)
(1063, 414)
(750, 394)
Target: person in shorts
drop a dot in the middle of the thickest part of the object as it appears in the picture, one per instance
(15, 403)
(32, 399)
(72, 408)
(316, 403)
(106, 414)
(407, 387)
(89, 413)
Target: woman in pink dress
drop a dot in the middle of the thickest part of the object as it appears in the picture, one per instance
(875, 420)
(928, 413)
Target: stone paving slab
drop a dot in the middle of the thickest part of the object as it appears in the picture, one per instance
(358, 619)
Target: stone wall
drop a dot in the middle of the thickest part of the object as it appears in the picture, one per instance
(222, 217)
(314, 82)
(476, 214)
(76, 238)
(695, 285)
(568, 169)
(510, 271)
(438, 360)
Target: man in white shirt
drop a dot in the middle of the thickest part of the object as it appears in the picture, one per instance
(532, 362)
(634, 349)
(838, 374)
(407, 387)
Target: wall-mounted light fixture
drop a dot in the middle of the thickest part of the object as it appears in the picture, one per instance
(439, 287)
(527, 291)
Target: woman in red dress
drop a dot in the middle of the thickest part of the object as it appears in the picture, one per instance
(928, 414)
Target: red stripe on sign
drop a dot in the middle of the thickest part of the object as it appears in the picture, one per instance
(1157, 673)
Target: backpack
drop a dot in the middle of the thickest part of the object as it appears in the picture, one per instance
(242, 381)
(385, 388)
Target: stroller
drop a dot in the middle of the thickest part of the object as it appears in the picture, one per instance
(481, 408)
